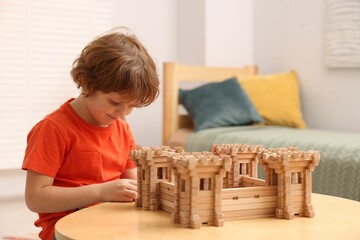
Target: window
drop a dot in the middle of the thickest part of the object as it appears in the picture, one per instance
(161, 173)
(296, 178)
(273, 178)
(205, 184)
(243, 168)
(39, 40)
(183, 186)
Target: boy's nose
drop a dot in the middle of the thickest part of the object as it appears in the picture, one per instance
(128, 110)
(122, 112)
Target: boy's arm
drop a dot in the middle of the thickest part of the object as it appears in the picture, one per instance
(42, 197)
(130, 173)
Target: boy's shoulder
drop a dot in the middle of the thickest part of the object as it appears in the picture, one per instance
(58, 118)
(51, 123)
(60, 114)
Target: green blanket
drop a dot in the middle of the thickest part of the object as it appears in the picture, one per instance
(338, 173)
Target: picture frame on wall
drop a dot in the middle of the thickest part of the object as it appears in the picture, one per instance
(342, 33)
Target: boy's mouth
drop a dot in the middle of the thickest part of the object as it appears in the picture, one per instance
(115, 118)
(112, 117)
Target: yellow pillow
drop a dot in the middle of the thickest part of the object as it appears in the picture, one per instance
(276, 98)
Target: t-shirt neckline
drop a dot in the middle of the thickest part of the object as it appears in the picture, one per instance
(74, 114)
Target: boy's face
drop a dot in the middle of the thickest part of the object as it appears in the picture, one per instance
(105, 108)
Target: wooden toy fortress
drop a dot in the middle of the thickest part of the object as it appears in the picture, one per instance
(209, 188)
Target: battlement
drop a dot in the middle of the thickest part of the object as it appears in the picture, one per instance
(289, 156)
(151, 154)
(234, 149)
(199, 160)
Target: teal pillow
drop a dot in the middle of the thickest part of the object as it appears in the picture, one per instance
(219, 104)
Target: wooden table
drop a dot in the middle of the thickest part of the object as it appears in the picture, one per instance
(335, 218)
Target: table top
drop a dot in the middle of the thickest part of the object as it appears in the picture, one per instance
(335, 218)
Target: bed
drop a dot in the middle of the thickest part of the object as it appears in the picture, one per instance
(338, 173)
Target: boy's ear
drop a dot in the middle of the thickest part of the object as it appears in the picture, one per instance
(82, 85)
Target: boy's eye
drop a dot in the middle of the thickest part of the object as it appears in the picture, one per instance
(114, 103)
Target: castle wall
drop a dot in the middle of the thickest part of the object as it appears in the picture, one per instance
(167, 196)
(249, 202)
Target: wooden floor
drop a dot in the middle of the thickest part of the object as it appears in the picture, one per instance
(16, 221)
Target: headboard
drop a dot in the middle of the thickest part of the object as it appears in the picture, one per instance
(175, 73)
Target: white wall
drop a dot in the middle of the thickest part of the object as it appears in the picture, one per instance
(229, 33)
(215, 33)
(289, 34)
(191, 31)
(155, 24)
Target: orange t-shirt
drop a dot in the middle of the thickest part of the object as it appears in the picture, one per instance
(75, 153)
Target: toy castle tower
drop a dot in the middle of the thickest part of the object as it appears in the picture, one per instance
(152, 166)
(290, 169)
(198, 189)
(243, 163)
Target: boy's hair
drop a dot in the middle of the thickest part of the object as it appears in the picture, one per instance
(117, 62)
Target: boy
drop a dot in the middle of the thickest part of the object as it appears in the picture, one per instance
(78, 155)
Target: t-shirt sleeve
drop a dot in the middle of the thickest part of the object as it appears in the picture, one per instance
(45, 149)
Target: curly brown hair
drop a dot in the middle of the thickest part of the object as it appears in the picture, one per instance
(117, 62)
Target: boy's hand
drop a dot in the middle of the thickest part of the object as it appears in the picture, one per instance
(121, 190)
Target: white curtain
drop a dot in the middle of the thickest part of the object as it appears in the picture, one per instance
(39, 40)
